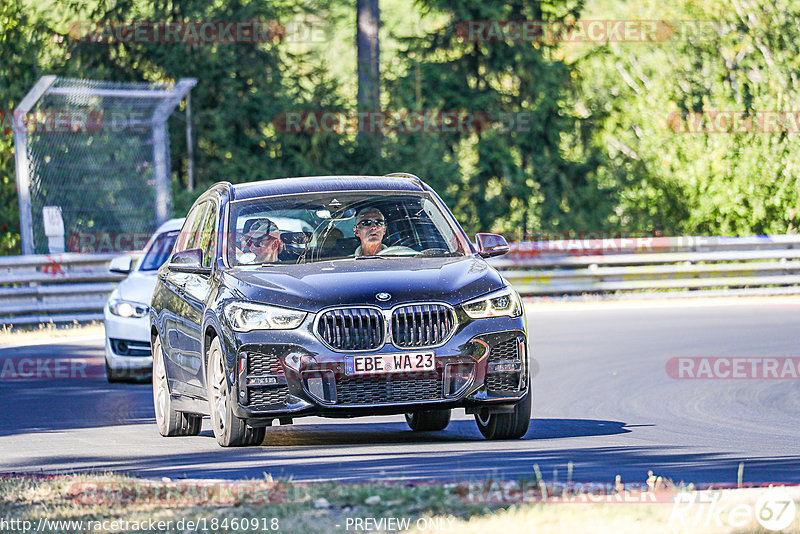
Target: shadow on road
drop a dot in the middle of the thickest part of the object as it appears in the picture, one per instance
(511, 459)
(356, 433)
(62, 387)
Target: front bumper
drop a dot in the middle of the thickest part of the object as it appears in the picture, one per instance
(127, 344)
(278, 374)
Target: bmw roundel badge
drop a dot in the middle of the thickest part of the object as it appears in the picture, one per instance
(383, 297)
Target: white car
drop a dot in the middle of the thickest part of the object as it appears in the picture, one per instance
(126, 318)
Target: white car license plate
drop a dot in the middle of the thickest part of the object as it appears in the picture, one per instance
(389, 363)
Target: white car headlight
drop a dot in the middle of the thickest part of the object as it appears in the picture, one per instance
(247, 316)
(505, 302)
(127, 308)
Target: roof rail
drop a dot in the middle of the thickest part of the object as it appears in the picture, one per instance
(223, 185)
(405, 175)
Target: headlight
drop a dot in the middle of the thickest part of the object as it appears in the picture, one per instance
(246, 316)
(126, 308)
(505, 302)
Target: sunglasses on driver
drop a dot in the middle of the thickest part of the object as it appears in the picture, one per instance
(257, 242)
(366, 223)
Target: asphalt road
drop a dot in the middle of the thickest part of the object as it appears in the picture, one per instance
(603, 400)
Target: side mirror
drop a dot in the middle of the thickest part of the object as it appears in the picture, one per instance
(490, 245)
(188, 261)
(121, 265)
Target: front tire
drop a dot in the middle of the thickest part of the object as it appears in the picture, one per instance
(512, 425)
(111, 375)
(230, 431)
(170, 422)
(124, 375)
(428, 421)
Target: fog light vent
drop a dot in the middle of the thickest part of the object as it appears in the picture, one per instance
(457, 378)
(320, 385)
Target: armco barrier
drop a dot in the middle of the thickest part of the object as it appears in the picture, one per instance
(59, 288)
(74, 287)
(570, 267)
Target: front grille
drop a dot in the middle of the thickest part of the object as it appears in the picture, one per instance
(421, 325)
(269, 396)
(352, 328)
(505, 351)
(357, 391)
(263, 364)
(502, 382)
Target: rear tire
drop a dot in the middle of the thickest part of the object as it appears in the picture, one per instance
(170, 422)
(230, 431)
(429, 420)
(512, 425)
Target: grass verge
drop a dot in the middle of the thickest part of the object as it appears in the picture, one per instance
(114, 503)
(46, 331)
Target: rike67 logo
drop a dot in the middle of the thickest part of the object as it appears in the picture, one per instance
(774, 509)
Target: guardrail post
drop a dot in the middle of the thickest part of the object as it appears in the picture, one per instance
(21, 160)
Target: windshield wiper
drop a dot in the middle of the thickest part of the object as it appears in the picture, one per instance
(441, 254)
(370, 257)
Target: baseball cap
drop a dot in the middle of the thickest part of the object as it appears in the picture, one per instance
(262, 228)
(363, 214)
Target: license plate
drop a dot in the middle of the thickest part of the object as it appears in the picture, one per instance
(389, 363)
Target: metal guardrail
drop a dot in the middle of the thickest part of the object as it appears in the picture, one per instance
(55, 288)
(572, 267)
(74, 287)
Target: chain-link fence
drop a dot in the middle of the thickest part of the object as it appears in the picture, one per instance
(92, 160)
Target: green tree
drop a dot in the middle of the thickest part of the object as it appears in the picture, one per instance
(243, 89)
(21, 40)
(678, 175)
(515, 175)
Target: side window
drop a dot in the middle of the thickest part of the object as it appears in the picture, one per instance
(158, 252)
(438, 228)
(187, 239)
(208, 235)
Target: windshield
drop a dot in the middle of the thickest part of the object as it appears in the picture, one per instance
(329, 226)
(159, 251)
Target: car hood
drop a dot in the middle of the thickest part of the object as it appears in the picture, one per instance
(138, 286)
(313, 286)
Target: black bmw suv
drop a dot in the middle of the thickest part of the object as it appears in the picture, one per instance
(334, 296)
